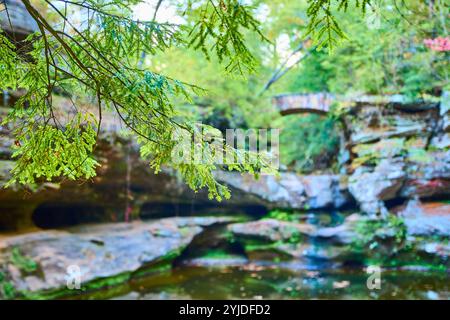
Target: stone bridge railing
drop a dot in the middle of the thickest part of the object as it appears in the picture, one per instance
(321, 102)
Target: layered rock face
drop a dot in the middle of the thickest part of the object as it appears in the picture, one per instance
(400, 151)
(290, 190)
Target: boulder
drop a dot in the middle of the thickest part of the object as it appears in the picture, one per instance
(426, 219)
(341, 234)
(429, 178)
(269, 239)
(370, 186)
(401, 150)
(439, 249)
(324, 191)
(290, 190)
(103, 253)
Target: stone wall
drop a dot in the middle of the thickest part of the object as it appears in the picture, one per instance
(399, 152)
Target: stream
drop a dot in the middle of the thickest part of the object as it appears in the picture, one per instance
(202, 273)
(257, 282)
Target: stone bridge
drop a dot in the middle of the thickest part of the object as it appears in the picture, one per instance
(304, 103)
(322, 102)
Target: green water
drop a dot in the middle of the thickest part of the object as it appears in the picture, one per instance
(207, 273)
(256, 282)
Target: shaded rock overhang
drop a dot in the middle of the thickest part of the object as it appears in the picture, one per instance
(15, 20)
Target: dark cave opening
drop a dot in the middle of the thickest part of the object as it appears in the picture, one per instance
(59, 215)
(155, 210)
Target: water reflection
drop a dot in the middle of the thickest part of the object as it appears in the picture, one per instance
(274, 283)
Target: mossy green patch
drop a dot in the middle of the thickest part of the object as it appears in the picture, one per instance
(385, 242)
(218, 254)
(22, 262)
(283, 215)
(7, 289)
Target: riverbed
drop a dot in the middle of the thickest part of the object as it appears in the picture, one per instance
(271, 282)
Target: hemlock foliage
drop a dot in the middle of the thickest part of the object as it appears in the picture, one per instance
(147, 71)
(102, 56)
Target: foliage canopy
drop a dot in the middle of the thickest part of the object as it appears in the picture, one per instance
(139, 70)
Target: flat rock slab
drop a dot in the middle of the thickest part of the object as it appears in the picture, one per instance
(279, 240)
(427, 219)
(271, 229)
(100, 251)
(231, 261)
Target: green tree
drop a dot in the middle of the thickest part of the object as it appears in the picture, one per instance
(383, 52)
(101, 56)
(105, 57)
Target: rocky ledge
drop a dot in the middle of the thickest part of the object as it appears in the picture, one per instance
(36, 264)
(399, 151)
(417, 236)
(291, 190)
